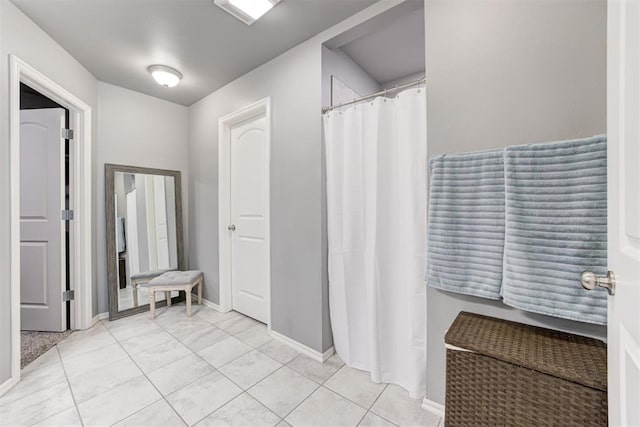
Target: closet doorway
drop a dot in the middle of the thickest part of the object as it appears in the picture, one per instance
(44, 185)
(80, 243)
(245, 277)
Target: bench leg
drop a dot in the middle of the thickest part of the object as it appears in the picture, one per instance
(152, 303)
(200, 292)
(135, 293)
(167, 295)
(187, 291)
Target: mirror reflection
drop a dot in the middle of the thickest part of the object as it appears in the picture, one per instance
(145, 234)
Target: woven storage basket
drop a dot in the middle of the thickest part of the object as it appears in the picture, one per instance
(502, 373)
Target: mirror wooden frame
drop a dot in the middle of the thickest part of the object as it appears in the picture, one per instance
(112, 260)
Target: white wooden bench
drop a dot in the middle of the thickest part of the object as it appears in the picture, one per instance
(175, 281)
(138, 279)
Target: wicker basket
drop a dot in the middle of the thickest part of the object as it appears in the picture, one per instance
(502, 373)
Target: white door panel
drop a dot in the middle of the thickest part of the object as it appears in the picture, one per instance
(41, 228)
(152, 242)
(623, 111)
(132, 235)
(37, 254)
(249, 251)
(162, 233)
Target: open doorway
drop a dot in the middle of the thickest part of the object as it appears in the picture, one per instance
(45, 306)
(79, 245)
(375, 139)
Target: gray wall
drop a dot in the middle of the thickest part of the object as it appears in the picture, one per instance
(137, 130)
(20, 36)
(293, 80)
(406, 79)
(337, 63)
(501, 73)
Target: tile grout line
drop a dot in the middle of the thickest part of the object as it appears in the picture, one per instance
(376, 401)
(294, 408)
(66, 380)
(243, 390)
(87, 351)
(322, 385)
(233, 382)
(366, 409)
(282, 365)
(303, 400)
(319, 385)
(163, 397)
(73, 397)
(222, 373)
(234, 335)
(344, 397)
(215, 370)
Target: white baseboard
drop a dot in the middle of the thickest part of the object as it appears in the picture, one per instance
(207, 303)
(98, 317)
(301, 348)
(433, 407)
(7, 385)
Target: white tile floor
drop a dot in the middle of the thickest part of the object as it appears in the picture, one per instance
(215, 369)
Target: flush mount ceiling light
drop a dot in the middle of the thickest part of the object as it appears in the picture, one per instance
(248, 11)
(165, 76)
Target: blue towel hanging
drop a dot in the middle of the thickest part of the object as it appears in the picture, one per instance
(465, 237)
(556, 227)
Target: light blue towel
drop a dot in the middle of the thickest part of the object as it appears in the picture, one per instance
(465, 237)
(556, 227)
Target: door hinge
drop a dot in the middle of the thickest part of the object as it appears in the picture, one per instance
(68, 296)
(67, 134)
(67, 215)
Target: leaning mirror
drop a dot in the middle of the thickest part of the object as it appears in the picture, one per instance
(144, 234)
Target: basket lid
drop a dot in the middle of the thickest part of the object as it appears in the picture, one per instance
(571, 357)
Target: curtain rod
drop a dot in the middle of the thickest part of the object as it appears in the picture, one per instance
(382, 92)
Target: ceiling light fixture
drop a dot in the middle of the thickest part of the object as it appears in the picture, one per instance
(248, 11)
(165, 76)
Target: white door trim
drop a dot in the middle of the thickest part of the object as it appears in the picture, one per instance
(225, 123)
(81, 243)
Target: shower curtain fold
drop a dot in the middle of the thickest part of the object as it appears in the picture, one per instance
(376, 202)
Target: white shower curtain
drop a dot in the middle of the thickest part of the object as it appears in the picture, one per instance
(376, 203)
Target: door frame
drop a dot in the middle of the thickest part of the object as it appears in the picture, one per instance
(81, 271)
(225, 123)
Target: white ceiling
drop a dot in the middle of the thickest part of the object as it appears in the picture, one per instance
(117, 40)
(394, 50)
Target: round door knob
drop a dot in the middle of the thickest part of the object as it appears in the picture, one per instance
(590, 281)
(232, 227)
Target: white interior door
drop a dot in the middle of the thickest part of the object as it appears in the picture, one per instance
(42, 277)
(131, 234)
(623, 111)
(249, 192)
(151, 223)
(162, 233)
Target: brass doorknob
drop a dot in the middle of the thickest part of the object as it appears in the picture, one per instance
(591, 281)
